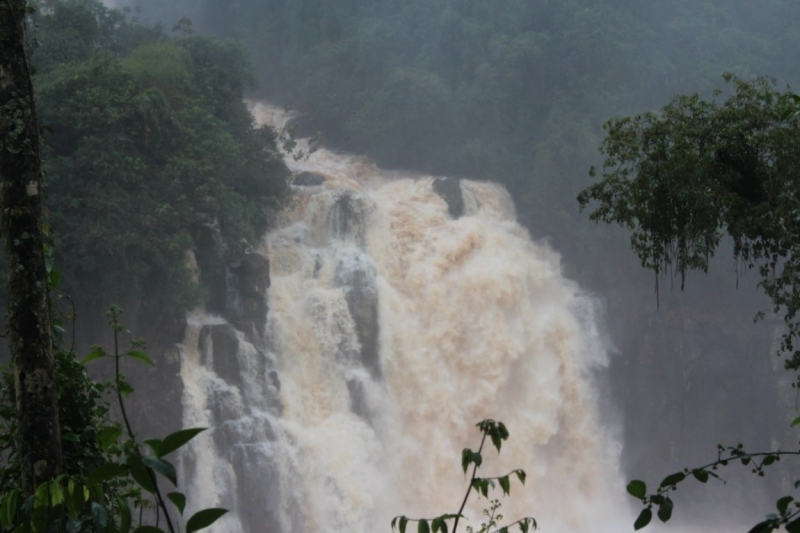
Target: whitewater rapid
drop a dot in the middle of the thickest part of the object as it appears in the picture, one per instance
(392, 329)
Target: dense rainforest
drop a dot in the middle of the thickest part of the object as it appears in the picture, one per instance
(513, 92)
(149, 153)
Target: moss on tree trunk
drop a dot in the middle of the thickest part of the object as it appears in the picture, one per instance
(29, 333)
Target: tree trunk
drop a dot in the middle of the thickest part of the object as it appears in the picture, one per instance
(29, 333)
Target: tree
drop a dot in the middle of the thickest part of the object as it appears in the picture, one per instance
(153, 155)
(683, 177)
(29, 329)
(698, 169)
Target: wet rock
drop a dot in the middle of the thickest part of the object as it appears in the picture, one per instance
(247, 297)
(347, 218)
(222, 345)
(213, 272)
(357, 276)
(275, 379)
(309, 179)
(258, 487)
(224, 407)
(159, 391)
(449, 190)
(318, 263)
(358, 398)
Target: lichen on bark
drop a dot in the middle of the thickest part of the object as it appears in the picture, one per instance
(28, 327)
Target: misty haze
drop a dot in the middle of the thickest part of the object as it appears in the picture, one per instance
(350, 230)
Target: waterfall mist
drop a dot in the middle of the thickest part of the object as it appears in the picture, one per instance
(393, 327)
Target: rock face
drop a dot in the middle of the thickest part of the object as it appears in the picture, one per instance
(221, 344)
(246, 306)
(449, 190)
(309, 179)
(347, 218)
(211, 268)
(357, 276)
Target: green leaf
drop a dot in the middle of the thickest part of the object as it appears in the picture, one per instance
(783, 504)
(763, 527)
(175, 440)
(637, 489)
(99, 516)
(56, 494)
(497, 441)
(108, 436)
(5, 522)
(124, 388)
(148, 529)
(10, 505)
(644, 518)
(520, 475)
(501, 429)
(436, 525)
(795, 422)
(75, 500)
(422, 526)
(141, 356)
(40, 498)
(180, 502)
(106, 472)
(154, 444)
(665, 510)
(402, 524)
(477, 459)
(204, 518)
(768, 460)
(700, 475)
(39, 519)
(793, 526)
(673, 479)
(142, 476)
(125, 519)
(466, 458)
(505, 484)
(54, 277)
(162, 467)
(95, 353)
(74, 526)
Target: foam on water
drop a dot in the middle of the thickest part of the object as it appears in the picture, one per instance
(470, 320)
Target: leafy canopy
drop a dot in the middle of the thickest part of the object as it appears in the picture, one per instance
(153, 154)
(683, 177)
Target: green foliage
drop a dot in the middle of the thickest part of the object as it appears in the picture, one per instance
(497, 433)
(153, 154)
(105, 471)
(683, 177)
(788, 515)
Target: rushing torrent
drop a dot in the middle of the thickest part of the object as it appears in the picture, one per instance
(402, 309)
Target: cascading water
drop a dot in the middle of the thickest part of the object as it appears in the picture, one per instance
(394, 324)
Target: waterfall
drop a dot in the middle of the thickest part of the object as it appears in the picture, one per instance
(400, 310)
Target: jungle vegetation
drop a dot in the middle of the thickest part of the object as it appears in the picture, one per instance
(512, 91)
(684, 177)
(149, 154)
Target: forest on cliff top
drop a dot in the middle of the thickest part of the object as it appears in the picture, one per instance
(511, 91)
